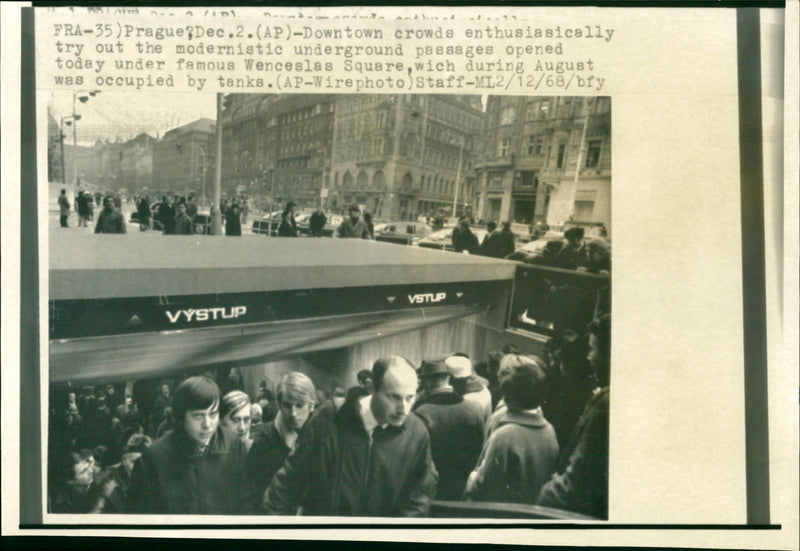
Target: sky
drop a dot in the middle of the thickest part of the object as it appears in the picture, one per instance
(109, 115)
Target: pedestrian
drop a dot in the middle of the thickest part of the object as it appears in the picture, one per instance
(520, 455)
(370, 225)
(63, 208)
(183, 223)
(191, 206)
(143, 208)
(466, 383)
(488, 245)
(465, 240)
(580, 483)
(370, 458)
(83, 209)
(455, 426)
(76, 489)
(166, 214)
(110, 220)
(506, 241)
(234, 414)
(572, 255)
(353, 226)
(288, 227)
(198, 468)
(233, 222)
(120, 473)
(316, 223)
(275, 440)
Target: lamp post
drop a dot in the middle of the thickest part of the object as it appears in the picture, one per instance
(458, 175)
(68, 120)
(82, 96)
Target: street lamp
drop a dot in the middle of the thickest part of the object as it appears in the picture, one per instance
(68, 120)
(82, 96)
(204, 164)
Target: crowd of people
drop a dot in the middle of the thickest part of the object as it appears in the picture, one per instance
(514, 428)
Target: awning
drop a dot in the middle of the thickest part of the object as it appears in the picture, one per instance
(165, 353)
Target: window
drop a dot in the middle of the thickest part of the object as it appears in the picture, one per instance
(507, 116)
(504, 147)
(561, 149)
(593, 153)
(535, 145)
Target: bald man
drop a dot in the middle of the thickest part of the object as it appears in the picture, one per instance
(370, 458)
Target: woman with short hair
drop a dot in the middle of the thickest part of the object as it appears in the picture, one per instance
(520, 454)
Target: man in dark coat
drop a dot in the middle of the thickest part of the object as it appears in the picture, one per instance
(572, 255)
(166, 214)
(183, 223)
(288, 227)
(370, 458)
(353, 225)
(506, 241)
(143, 208)
(83, 209)
(580, 483)
(275, 440)
(63, 208)
(465, 240)
(488, 245)
(233, 221)
(316, 223)
(198, 468)
(110, 219)
(455, 426)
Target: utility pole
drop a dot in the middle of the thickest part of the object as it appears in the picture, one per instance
(216, 215)
(458, 175)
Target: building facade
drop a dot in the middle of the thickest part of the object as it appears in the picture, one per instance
(277, 146)
(401, 156)
(547, 159)
(183, 160)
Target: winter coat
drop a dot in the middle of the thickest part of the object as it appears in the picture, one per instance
(63, 205)
(517, 459)
(169, 479)
(266, 457)
(455, 427)
(337, 469)
(183, 224)
(110, 221)
(581, 480)
(466, 241)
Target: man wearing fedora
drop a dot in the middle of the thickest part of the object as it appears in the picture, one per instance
(455, 426)
(467, 383)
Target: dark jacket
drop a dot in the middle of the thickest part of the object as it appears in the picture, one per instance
(581, 480)
(316, 223)
(455, 426)
(183, 224)
(337, 470)
(506, 242)
(169, 479)
(466, 240)
(266, 457)
(288, 227)
(110, 221)
(166, 215)
(233, 223)
(66, 499)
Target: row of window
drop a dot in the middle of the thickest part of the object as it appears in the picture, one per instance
(541, 108)
(535, 147)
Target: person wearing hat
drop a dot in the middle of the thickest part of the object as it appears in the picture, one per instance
(455, 426)
(469, 385)
(573, 254)
(120, 473)
(353, 226)
(520, 455)
(288, 227)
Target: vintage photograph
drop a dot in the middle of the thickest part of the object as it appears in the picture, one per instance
(328, 305)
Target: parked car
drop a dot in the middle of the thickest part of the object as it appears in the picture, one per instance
(262, 226)
(202, 223)
(443, 239)
(155, 223)
(403, 233)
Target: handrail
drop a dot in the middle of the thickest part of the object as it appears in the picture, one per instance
(487, 509)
